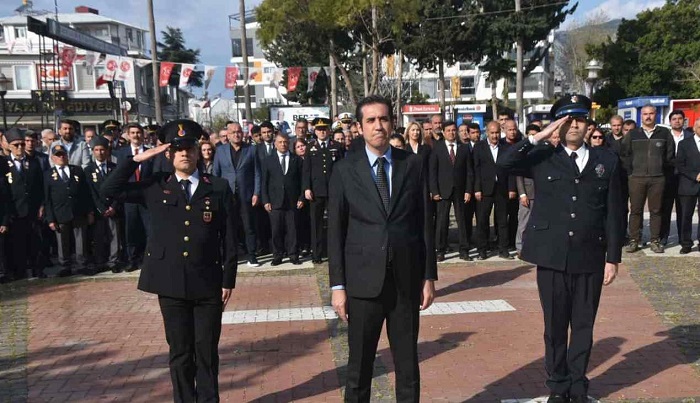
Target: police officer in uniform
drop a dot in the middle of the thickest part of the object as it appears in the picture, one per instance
(191, 217)
(318, 166)
(574, 236)
(26, 180)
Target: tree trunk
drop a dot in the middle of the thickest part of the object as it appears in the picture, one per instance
(365, 77)
(346, 78)
(244, 53)
(441, 86)
(398, 90)
(494, 99)
(519, 76)
(154, 64)
(334, 83)
(375, 52)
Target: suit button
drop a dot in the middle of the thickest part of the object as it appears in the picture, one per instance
(549, 178)
(165, 201)
(571, 233)
(383, 247)
(186, 239)
(187, 223)
(573, 198)
(573, 215)
(185, 254)
(188, 207)
(576, 181)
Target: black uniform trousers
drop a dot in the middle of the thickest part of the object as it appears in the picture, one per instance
(284, 232)
(443, 223)
(192, 330)
(469, 211)
(513, 209)
(569, 300)
(246, 214)
(21, 246)
(304, 227)
(499, 203)
(318, 237)
(670, 198)
(688, 204)
(365, 320)
(263, 228)
(136, 219)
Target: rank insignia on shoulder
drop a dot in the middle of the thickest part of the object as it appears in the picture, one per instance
(207, 216)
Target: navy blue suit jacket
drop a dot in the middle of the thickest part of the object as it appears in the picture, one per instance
(244, 179)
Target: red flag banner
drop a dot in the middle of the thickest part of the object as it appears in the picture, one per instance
(293, 74)
(166, 69)
(231, 77)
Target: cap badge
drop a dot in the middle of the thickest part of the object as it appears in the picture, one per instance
(181, 132)
(574, 99)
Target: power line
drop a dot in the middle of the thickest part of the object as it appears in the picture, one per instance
(509, 11)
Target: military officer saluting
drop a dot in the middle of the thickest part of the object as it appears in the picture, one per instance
(573, 236)
(318, 166)
(191, 217)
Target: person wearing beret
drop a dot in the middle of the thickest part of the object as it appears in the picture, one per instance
(78, 152)
(574, 236)
(26, 184)
(106, 235)
(69, 210)
(318, 167)
(192, 216)
(111, 130)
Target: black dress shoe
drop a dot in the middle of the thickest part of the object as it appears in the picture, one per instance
(482, 256)
(131, 268)
(579, 399)
(440, 257)
(505, 255)
(276, 261)
(685, 250)
(116, 269)
(316, 261)
(557, 398)
(64, 272)
(295, 261)
(4, 279)
(465, 257)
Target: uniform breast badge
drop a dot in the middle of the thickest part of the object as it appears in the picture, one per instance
(9, 177)
(207, 216)
(94, 177)
(600, 170)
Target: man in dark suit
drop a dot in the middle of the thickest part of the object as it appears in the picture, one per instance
(31, 145)
(382, 256)
(106, 237)
(69, 210)
(318, 167)
(136, 215)
(192, 218)
(688, 165)
(237, 163)
(451, 184)
(574, 238)
(26, 181)
(671, 197)
(493, 187)
(282, 198)
(264, 149)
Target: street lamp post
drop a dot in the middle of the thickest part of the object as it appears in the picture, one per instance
(593, 67)
(3, 91)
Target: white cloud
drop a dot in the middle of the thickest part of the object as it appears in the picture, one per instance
(622, 8)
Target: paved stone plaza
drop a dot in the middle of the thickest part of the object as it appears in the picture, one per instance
(99, 339)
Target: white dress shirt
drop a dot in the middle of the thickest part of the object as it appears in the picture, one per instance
(697, 142)
(194, 181)
(285, 167)
(582, 158)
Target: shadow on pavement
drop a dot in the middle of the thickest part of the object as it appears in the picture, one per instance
(484, 280)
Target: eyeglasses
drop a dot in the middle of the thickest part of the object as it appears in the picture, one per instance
(597, 137)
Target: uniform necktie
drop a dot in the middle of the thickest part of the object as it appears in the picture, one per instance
(323, 145)
(574, 156)
(269, 148)
(186, 188)
(452, 153)
(382, 183)
(284, 165)
(103, 167)
(64, 176)
(137, 174)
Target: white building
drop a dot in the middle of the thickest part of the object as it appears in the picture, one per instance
(30, 63)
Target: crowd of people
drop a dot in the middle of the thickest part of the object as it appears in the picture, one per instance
(52, 208)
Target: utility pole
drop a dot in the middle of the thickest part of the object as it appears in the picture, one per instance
(154, 64)
(244, 53)
(399, 118)
(519, 72)
(334, 83)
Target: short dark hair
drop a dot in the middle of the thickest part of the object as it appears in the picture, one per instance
(283, 135)
(267, 124)
(370, 100)
(448, 123)
(532, 127)
(228, 122)
(629, 122)
(422, 122)
(505, 113)
(398, 137)
(136, 125)
(301, 120)
(31, 134)
(591, 122)
(676, 112)
(474, 126)
(255, 129)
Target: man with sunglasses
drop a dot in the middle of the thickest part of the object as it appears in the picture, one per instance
(574, 236)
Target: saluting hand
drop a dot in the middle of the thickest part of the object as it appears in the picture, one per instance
(610, 273)
(150, 153)
(428, 294)
(553, 127)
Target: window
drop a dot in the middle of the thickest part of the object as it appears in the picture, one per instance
(102, 32)
(7, 71)
(98, 71)
(2, 33)
(467, 86)
(467, 66)
(23, 78)
(20, 32)
(531, 83)
(129, 34)
(237, 51)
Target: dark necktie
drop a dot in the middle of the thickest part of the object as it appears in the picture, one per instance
(323, 145)
(64, 176)
(452, 153)
(185, 183)
(284, 171)
(103, 168)
(574, 156)
(382, 183)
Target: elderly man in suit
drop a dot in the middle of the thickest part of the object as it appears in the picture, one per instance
(574, 237)
(382, 257)
(78, 151)
(236, 162)
(688, 165)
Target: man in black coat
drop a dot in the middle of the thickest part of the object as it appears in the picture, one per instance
(451, 184)
(108, 212)
(192, 217)
(318, 167)
(381, 253)
(69, 210)
(573, 236)
(282, 198)
(265, 148)
(688, 165)
(26, 182)
(493, 187)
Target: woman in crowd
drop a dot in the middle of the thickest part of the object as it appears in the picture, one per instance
(206, 157)
(304, 215)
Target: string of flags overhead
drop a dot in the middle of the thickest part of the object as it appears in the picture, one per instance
(121, 68)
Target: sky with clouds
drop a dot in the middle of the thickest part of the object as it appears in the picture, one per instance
(205, 23)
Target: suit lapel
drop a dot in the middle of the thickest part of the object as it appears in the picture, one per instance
(204, 188)
(364, 175)
(593, 156)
